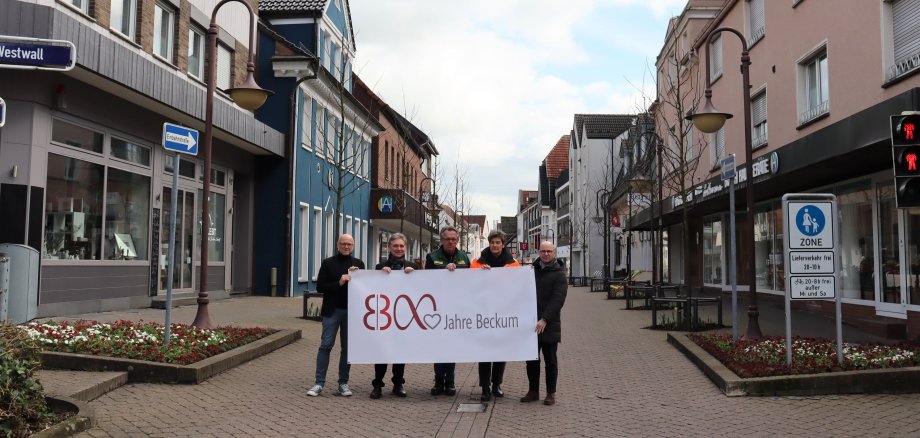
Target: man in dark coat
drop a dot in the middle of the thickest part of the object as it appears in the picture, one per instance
(332, 282)
(551, 291)
(447, 256)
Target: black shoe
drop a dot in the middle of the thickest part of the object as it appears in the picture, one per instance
(450, 389)
(497, 391)
(486, 394)
(399, 390)
(377, 392)
(438, 388)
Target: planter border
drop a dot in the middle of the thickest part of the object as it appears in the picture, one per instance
(155, 372)
(887, 380)
(84, 418)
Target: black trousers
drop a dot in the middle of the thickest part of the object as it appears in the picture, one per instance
(380, 370)
(445, 372)
(491, 372)
(552, 368)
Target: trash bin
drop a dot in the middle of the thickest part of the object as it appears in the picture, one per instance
(22, 303)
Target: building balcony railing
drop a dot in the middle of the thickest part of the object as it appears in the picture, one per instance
(756, 36)
(903, 66)
(814, 112)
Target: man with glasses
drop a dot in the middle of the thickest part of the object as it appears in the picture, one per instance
(446, 257)
(332, 282)
(552, 288)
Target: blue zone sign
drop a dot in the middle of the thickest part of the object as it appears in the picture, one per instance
(36, 54)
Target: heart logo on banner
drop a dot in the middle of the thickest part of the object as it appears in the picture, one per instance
(432, 320)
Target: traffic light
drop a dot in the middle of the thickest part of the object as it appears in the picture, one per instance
(905, 149)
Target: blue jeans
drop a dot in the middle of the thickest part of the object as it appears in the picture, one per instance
(338, 321)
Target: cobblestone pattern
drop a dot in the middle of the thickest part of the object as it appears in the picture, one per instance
(616, 379)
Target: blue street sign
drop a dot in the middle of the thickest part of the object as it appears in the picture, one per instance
(2, 112)
(180, 139)
(36, 54)
(728, 167)
(810, 220)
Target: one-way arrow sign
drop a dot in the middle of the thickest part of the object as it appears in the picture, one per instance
(180, 139)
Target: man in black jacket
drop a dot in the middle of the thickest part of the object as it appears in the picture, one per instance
(332, 282)
(551, 292)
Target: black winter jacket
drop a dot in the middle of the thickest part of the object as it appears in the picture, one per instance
(327, 282)
(551, 291)
(396, 264)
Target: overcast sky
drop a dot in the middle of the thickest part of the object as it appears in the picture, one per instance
(495, 83)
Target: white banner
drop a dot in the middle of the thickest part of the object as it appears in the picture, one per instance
(433, 316)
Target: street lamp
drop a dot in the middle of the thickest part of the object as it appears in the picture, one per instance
(605, 224)
(421, 209)
(249, 96)
(710, 120)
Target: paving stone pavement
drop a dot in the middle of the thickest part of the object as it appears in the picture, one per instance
(616, 379)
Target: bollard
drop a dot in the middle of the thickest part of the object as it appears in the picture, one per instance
(274, 282)
(4, 285)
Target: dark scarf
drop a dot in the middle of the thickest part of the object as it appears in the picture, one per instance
(396, 262)
(496, 261)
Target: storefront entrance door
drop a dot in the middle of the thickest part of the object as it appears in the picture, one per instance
(895, 273)
(184, 246)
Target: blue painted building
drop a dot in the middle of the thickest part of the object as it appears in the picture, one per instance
(322, 187)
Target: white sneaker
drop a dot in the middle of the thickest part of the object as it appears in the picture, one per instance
(344, 390)
(315, 390)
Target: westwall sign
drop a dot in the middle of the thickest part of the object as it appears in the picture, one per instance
(36, 54)
(763, 165)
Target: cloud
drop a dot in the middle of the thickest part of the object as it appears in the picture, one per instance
(495, 84)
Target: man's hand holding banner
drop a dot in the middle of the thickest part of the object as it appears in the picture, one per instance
(437, 316)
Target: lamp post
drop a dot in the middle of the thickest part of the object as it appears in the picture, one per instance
(249, 96)
(605, 223)
(421, 210)
(710, 120)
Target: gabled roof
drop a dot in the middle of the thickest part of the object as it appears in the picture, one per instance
(602, 125)
(558, 158)
(478, 219)
(312, 8)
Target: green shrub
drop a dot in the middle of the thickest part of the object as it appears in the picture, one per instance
(22, 400)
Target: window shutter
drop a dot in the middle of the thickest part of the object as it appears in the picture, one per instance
(757, 20)
(224, 68)
(759, 109)
(906, 24)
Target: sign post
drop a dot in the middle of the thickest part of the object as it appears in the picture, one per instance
(181, 140)
(811, 256)
(2, 112)
(728, 173)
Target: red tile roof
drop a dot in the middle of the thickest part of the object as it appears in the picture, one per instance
(558, 158)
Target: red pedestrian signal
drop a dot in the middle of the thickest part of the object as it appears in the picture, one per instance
(905, 153)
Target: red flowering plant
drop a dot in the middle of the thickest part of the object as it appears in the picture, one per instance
(140, 340)
(767, 356)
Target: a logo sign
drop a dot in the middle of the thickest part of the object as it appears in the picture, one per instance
(774, 163)
(437, 316)
(36, 54)
(385, 204)
(180, 139)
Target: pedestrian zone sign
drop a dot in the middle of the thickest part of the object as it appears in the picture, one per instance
(811, 249)
(180, 139)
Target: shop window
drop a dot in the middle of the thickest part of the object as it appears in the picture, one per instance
(127, 207)
(164, 18)
(186, 168)
(196, 40)
(768, 248)
(857, 269)
(123, 17)
(73, 222)
(712, 252)
(69, 134)
(217, 217)
(889, 237)
(128, 151)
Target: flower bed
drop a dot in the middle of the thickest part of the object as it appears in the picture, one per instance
(140, 340)
(767, 356)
